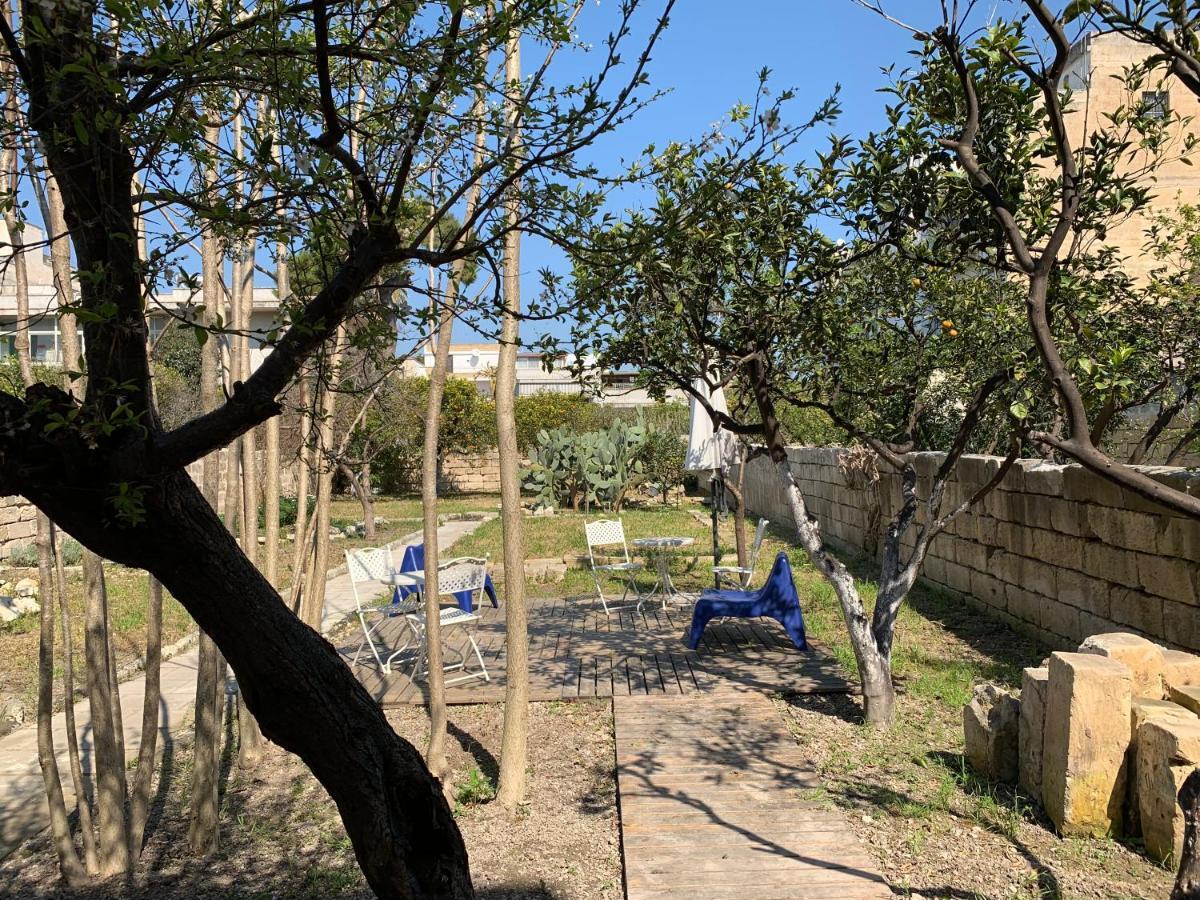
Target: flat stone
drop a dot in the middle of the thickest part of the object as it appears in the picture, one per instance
(990, 729)
(1187, 695)
(1088, 710)
(1030, 730)
(1179, 668)
(1168, 751)
(1144, 658)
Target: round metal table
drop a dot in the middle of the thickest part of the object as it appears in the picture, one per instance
(656, 548)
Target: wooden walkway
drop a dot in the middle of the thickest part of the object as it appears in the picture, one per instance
(712, 805)
(575, 650)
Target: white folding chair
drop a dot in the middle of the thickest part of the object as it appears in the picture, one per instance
(739, 573)
(452, 579)
(609, 533)
(367, 567)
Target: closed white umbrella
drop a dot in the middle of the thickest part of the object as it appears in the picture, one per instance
(711, 450)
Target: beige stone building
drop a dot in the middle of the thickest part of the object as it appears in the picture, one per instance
(1094, 75)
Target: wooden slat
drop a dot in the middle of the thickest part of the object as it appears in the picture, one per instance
(710, 805)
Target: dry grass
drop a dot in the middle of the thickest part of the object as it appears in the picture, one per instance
(281, 836)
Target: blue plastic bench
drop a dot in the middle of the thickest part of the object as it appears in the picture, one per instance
(776, 599)
(414, 561)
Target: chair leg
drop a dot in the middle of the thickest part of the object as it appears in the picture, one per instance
(368, 639)
(478, 656)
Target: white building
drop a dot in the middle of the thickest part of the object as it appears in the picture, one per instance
(43, 306)
(478, 362)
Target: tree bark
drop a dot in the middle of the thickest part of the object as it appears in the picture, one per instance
(514, 743)
(60, 826)
(139, 800)
(314, 588)
(271, 501)
(109, 765)
(1187, 882)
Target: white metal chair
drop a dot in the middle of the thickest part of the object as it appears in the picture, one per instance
(374, 566)
(609, 533)
(739, 573)
(454, 578)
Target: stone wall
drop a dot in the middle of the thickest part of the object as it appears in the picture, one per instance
(17, 524)
(471, 474)
(1055, 551)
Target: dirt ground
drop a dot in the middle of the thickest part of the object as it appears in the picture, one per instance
(281, 837)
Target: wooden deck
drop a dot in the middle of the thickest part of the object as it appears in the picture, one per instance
(712, 804)
(575, 650)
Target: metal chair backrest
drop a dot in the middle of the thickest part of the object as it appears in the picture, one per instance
(461, 576)
(758, 539)
(605, 533)
(369, 565)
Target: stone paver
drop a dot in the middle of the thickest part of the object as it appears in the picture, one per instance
(23, 810)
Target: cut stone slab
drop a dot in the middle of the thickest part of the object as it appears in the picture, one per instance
(1144, 658)
(1030, 730)
(1168, 751)
(990, 726)
(1088, 708)
(1186, 695)
(1179, 668)
(1146, 709)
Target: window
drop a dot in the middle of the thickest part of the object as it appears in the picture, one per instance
(1156, 104)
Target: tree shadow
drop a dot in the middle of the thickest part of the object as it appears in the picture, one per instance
(844, 706)
(487, 763)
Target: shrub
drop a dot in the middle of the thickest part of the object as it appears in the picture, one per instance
(662, 457)
(22, 555)
(546, 410)
(71, 551)
(288, 507)
(476, 788)
(569, 468)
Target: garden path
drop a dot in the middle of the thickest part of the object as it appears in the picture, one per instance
(23, 809)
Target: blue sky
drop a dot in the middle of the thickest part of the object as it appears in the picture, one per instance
(709, 59)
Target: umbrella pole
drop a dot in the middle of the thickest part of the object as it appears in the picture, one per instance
(718, 485)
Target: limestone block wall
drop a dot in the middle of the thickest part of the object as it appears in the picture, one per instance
(17, 524)
(1055, 551)
(471, 474)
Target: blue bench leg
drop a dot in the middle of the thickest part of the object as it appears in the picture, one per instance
(793, 623)
(700, 620)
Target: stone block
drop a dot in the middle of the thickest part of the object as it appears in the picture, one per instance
(1179, 624)
(21, 530)
(1083, 592)
(1124, 528)
(988, 589)
(990, 725)
(1062, 620)
(1144, 658)
(1111, 564)
(1042, 478)
(1024, 605)
(1145, 709)
(1084, 487)
(1186, 695)
(1174, 579)
(1137, 609)
(1179, 668)
(1030, 730)
(1168, 750)
(1066, 517)
(1088, 709)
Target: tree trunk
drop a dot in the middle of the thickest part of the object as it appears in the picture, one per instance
(314, 588)
(514, 744)
(271, 502)
(739, 515)
(83, 791)
(304, 466)
(303, 694)
(366, 496)
(139, 800)
(202, 826)
(109, 765)
(1187, 882)
(60, 826)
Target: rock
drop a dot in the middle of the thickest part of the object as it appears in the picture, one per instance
(1187, 696)
(25, 604)
(26, 587)
(1179, 668)
(1088, 710)
(1167, 752)
(1029, 738)
(12, 710)
(1146, 709)
(8, 610)
(545, 569)
(1144, 658)
(990, 728)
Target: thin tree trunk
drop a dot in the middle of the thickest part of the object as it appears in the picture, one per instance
(83, 791)
(300, 527)
(739, 515)
(139, 800)
(271, 501)
(1187, 882)
(109, 766)
(367, 498)
(202, 825)
(60, 826)
(514, 743)
(314, 592)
